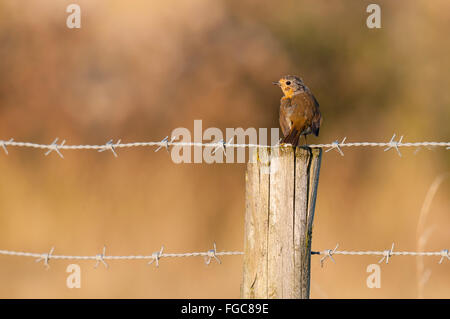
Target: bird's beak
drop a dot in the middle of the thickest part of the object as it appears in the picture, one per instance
(276, 83)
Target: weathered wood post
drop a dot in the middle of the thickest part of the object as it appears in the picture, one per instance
(281, 190)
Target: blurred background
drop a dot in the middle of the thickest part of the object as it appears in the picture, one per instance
(137, 70)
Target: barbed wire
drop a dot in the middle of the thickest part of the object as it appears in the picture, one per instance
(208, 255)
(386, 254)
(211, 254)
(166, 143)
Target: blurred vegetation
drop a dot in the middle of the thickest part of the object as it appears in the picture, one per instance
(136, 70)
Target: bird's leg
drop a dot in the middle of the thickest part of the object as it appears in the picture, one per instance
(306, 141)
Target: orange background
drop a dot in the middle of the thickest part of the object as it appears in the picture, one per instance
(136, 70)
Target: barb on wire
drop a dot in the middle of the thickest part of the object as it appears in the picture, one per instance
(444, 254)
(111, 147)
(211, 255)
(46, 257)
(3, 145)
(156, 256)
(100, 258)
(55, 147)
(386, 254)
(222, 145)
(337, 147)
(394, 144)
(165, 143)
(328, 254)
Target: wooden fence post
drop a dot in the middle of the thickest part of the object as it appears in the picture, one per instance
(281, 190)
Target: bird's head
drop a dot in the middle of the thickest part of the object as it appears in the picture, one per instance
(290, 84)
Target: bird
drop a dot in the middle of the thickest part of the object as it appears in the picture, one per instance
(299, 110)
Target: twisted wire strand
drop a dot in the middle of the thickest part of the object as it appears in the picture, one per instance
(154, 257)
(216, 144)
(212, 253)
(130, 257)
(381, 253)
(386, 254)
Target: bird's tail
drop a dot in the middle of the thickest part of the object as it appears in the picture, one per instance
(292, 138)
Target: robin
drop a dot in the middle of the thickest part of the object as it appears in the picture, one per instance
(299, 110)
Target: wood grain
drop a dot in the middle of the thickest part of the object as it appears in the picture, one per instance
(281, 190)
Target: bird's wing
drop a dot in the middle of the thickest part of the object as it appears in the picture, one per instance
(293, 137)
(315, 100)
(308, 116)
(288, 110)
(284, 119)
(316, 122)
(317, 118)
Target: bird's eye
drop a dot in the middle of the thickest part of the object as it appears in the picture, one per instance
(288, 82)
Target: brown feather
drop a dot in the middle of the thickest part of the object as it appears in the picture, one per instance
(299, 115)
